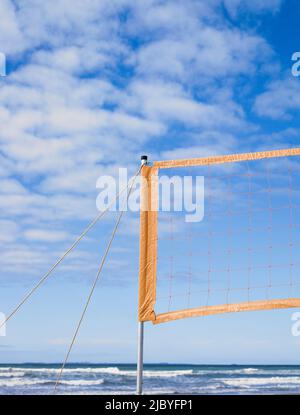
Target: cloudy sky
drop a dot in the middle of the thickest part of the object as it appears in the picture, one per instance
(90, 86)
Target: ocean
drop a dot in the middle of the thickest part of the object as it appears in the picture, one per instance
(36, 379)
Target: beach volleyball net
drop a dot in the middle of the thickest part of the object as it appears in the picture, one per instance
(237, 252)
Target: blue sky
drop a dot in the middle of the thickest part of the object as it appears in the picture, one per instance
(90, 87)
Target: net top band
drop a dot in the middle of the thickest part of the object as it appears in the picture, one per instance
(230, 158)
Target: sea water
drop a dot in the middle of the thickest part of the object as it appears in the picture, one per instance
(158, 379)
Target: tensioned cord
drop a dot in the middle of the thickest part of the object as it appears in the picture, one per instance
(76, 242)
(94, 285)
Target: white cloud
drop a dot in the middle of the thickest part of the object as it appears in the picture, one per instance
(170, 103)
(208, 52)
(281, 100)
(12, 186)
(33, 258)
(9, 231)
(11, 38)
(34, 23)
(253, 6)
(218, 144)
(45, 235)
(23, 259)
(95, 84)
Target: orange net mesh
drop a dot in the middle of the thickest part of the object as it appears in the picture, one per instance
(241, 256)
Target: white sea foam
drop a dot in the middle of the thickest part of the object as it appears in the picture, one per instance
(110, 370)
(248, 382)
(30, 382)
(82, 382)
(103, 370)
(11, 374)
(167, 373)
(91, 376)
(149, 373)
(21, 382)
(237, 371)
(250, 370)
(8, 369)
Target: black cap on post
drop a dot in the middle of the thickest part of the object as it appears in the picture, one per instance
(144, 158)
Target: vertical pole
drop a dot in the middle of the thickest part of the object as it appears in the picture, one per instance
(140, 356)
(139, 380)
